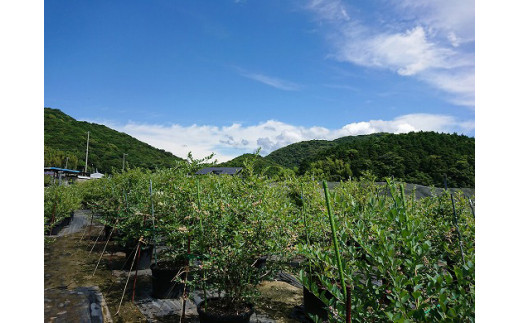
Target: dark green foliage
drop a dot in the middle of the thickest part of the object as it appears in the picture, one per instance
(401, 256)
(58, 158)
(66, 137)
(416, 157)
(293, 155)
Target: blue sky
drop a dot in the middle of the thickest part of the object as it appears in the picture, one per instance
(230, 76)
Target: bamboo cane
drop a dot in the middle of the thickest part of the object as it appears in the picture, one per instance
(346, 294)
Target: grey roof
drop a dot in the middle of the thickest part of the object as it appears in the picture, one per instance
(219, 170)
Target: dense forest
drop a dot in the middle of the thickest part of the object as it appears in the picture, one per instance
(66, 137)
(294, 154)
(416, 157)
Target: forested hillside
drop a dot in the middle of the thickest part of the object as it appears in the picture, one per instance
(416, 157)
(66, 137)
(294, 154)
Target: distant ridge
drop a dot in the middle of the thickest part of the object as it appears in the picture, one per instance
(66, 137)
(414, 157)
(294, 154)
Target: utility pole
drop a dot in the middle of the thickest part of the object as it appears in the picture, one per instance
(66, 162)
(124, 161)
(86, 158)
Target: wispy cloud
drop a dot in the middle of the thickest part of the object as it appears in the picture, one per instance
(230, 141)
(272, 81)
(332, 10)
(429, 40)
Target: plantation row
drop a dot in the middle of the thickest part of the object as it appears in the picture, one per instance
(400, 259)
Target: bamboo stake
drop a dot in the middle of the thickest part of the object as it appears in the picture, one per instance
(186, 271)
(53, 217)
(455, 221)
(471, 206)
(304, 217)
(153, 224)
(128, 279)
(104, 248)
(346, 294)
(306, 227)
(136, 270)
(85, 230)
(95, 242)
(203, 245)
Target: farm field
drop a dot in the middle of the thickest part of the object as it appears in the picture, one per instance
(259, 161)
(69, 265)
(291, 250)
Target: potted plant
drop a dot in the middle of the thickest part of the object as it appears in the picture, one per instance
(237, 228)
(167, 276)
(59, 203)
(173, 200)
(170, 271)
(135, 237)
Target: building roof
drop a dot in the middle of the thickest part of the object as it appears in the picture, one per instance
(57, 169)
(219, 170)
(96, 175)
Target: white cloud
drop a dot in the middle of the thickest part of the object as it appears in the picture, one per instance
(230, 141)
(443, 16)
(406, 53)
(272, 81)
(460, 82)
(415, 38)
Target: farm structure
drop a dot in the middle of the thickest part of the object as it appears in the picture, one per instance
(219, 171)
(62, 175)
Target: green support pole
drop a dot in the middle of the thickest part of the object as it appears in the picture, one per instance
(336, 249)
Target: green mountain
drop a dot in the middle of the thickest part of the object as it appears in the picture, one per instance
(416, 157)
(294, 154)
(66, 137)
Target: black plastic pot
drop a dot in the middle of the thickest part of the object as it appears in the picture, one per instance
(313, 304)
(210, 317)
(68, 219)
(162, 275)
(260, 262)
(56, 228)
(106, 232)
(142, 260)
